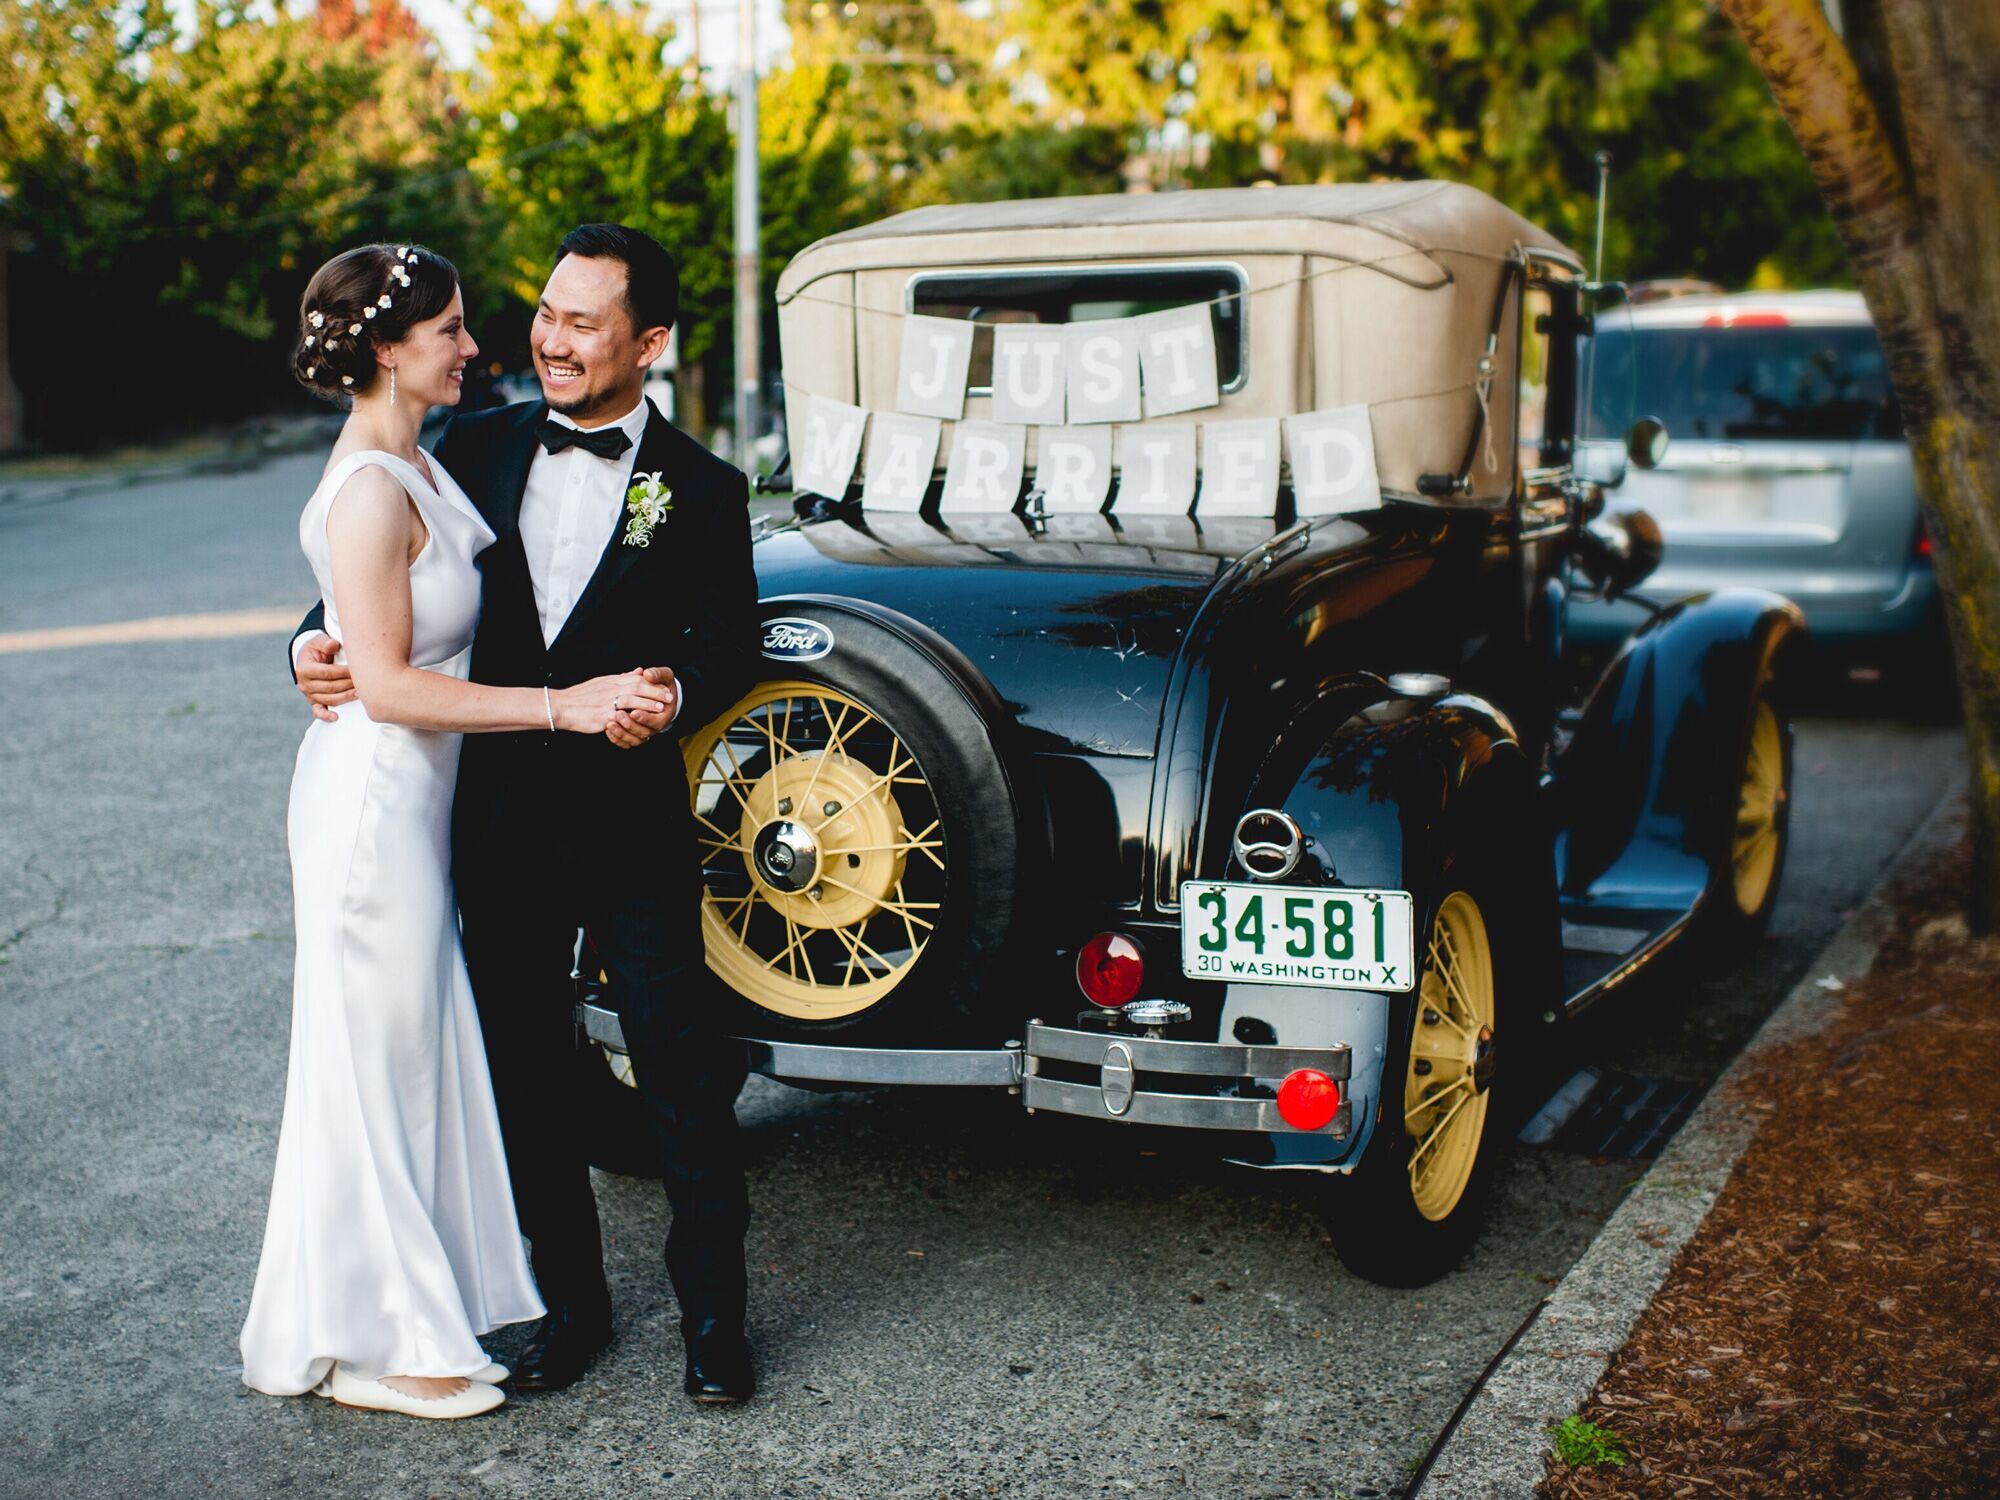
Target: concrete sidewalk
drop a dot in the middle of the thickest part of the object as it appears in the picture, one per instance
(1497, 1444)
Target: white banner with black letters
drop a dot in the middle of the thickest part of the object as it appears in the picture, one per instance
(1094, 394)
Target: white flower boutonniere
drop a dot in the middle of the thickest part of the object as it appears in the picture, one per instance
(645, 503)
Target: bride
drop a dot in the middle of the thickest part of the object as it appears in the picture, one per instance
(391, 1243)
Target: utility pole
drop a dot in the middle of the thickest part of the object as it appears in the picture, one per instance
(748, 323)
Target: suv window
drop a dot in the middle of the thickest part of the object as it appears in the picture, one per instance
(1085, 295)
(1742, 383)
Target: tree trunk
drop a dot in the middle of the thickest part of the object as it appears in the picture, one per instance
(1908, 158)
(691, 400)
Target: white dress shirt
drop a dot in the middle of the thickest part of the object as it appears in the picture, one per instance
(573, 503)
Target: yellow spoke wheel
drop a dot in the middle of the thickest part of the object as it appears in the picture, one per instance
(1753, 852)
(823, 851)
(1445, 1092)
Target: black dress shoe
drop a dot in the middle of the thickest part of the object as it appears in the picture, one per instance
(561, 1348)
(718, 1362)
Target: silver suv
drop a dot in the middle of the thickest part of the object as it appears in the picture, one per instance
(1786, 467)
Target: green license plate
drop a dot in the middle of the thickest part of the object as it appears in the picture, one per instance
(1342, 939)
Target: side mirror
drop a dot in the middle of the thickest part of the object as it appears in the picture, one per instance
(1646, 443)
(1620, 550)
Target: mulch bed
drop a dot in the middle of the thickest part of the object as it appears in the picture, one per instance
(1833, 1328)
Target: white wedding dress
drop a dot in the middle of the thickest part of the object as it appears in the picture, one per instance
(391, 1242)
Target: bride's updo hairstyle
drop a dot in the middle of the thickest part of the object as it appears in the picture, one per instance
(359, 301)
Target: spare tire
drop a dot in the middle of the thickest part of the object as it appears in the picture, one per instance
(860, 840)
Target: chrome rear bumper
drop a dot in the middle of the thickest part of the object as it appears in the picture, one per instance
(1122, 1061)
(1105, 1072)
(864, 1067)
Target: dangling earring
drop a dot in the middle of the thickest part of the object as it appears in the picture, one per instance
(392, 385)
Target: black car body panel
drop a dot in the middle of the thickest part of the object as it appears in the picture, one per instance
(1129, 690)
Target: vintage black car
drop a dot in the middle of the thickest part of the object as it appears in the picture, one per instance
(1240, 796)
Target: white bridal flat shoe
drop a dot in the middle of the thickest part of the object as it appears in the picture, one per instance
(488, 1375)
(371, 1395)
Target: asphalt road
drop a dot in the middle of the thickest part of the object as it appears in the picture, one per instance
(948, 1298)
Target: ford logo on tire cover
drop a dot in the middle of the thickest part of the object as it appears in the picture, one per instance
(796, 640)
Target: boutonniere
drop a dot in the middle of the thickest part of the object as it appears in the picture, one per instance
(645, 503)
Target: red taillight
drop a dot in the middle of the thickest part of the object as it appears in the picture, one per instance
(1923, 541)
(1109, 969)
(1308, 1099)
(1746, 320)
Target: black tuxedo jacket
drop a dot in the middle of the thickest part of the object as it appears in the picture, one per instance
(687, 601)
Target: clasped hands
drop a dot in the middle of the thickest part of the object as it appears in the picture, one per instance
(630, 707)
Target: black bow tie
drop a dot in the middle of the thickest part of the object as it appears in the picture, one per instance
(605, 442)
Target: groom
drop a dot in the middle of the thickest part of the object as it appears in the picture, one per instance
(552, 832)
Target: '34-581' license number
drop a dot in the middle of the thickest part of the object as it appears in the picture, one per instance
(1286, 934)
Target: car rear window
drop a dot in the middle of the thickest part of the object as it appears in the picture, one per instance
(1741, 383)
(1081, 295)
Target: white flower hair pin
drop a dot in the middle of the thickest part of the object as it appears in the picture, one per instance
(646, 502)
(400, 274)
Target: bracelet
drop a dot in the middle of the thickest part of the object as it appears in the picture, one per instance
(549, 708)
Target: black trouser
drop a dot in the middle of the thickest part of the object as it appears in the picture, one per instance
(519, 937)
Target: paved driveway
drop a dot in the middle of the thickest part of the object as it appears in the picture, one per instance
(948, 1298)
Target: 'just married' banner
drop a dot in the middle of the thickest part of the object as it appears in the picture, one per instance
(1098, 398)
(1159, 468)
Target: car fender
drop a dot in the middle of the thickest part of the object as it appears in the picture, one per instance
(1392, 792)
(952, 664)
(1646, 788)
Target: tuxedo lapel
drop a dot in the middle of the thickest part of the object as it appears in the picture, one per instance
(507, 481)
(510, 629)
(617, 559)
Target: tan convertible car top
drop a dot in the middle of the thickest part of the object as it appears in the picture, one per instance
(1379, 294)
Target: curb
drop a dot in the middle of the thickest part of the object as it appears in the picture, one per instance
(1549, 1368)
(247, 449)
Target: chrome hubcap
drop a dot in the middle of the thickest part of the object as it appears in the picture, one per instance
(786, 854)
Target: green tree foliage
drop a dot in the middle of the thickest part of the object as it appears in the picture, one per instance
(168, 189)
(909, 76)
(1515, 98)
(979, 163)
(809, 180)
(170, 178)
(935, 113)
(576, 118)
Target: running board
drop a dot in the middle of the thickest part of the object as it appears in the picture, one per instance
(1602, 949)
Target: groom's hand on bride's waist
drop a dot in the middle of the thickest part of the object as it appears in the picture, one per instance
(325, 682)
(632, 727)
